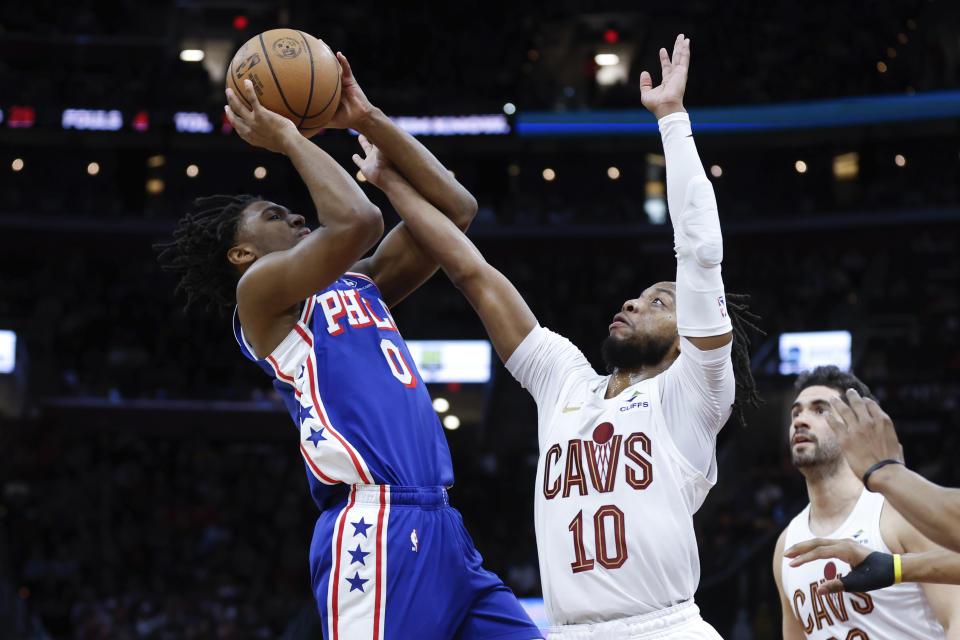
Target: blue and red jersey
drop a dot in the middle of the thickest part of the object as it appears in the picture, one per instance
(353, 390)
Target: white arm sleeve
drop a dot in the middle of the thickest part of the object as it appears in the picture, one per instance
(701, 302)
(696, 394)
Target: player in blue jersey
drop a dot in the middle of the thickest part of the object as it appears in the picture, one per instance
(389, 558)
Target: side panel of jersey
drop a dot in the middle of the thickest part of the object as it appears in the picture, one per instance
(348, 380)
(899, 611)
(613, 507)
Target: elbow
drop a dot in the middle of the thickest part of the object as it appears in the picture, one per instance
(466, 211)
(469, 275)
(368, 224)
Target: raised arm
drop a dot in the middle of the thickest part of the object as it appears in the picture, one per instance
(866, 435)
(504, 313)
(701, 304)
(400, 265)
(349, 224)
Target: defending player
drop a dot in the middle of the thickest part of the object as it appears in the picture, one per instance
(389, 558)
(870, 446)
(625, 459)
(841, 507)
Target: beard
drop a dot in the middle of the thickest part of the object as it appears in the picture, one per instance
(823, 460)
(635, 351)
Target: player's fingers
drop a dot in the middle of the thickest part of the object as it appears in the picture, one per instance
(364, 143)
(345, 65)
(835, 550)
(236, 122)
(646, 81)
(682, 57)
(664, 61)
(805, 546)
(830, 586)
(236, 105)
(856, 403)
(878, 415)
(842, 410)
(251, 94)
(357, 160)
(677, 44)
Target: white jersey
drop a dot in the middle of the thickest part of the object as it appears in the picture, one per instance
(619, 479)
(899, 611)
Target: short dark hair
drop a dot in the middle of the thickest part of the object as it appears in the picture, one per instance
(833, 377)
(198, 253)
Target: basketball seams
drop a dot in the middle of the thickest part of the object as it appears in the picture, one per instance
(306, 109)
(336, 90)
(236, 87)
(276, 82)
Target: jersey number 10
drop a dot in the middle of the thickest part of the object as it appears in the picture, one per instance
(610, 559)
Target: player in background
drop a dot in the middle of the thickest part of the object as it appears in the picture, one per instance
(869, 442)
(389, 557)
(840, 507)
(625, 459)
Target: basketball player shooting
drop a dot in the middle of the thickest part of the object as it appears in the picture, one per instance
(389, 557)
(626, 458)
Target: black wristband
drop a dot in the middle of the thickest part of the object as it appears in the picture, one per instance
(875, 572)
(882, 463)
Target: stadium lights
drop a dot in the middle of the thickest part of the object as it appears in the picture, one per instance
(451, 422)
(509, 108)
(17, 164)
(441, 405)
(193, 171)
(613, 173)
(260, 173)
(606, 59)
(800, 166)
(93, 168)
(900, 160)
(191, 55)
(716, 170)
(549, 174)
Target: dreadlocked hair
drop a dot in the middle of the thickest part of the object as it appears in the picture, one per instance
(743, 320)
(198, 253)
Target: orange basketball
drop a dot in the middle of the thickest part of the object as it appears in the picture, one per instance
(293, 73)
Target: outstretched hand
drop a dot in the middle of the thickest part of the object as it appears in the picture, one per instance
(374, 165)
(848, 551)
(256, 124)
(354, 106)
(667, 97)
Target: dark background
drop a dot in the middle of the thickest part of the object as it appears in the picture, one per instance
(149, 483)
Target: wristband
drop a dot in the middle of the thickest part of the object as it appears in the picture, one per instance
(897, 569)
(878, 570)
(882, 463)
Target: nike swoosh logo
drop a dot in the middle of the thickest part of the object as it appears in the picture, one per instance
(569, 409)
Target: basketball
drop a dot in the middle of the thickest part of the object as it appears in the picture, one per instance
(293, 73)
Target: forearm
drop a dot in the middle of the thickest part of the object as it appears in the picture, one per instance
(701, 301)
(435, 233)
(336, 195)
(932, 509)
(421, 168)
(940, 566)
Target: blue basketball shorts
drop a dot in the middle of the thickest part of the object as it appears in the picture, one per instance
(392, 563)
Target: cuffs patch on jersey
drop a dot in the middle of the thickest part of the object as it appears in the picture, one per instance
(357, 590)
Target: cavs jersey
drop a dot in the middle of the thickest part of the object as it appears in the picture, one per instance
(353, 391)
(898, 611)
(620, 478)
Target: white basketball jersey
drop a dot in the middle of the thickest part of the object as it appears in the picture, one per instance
(614, 498)
(899, 611)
